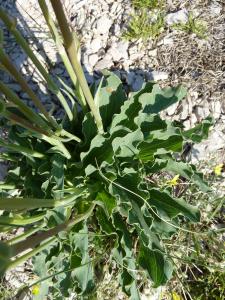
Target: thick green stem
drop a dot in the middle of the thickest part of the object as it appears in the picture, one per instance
(5, 186)
(56, 142)
(62, 53)
(24, 123)
(53, 139)
(32, 116)
(11, 204)
(71, 48)
(19, 78)
(11, 25)
(5, 156)
(20, 149)
(4, 220)
(22, 236)
(33, 241)
(28, 255)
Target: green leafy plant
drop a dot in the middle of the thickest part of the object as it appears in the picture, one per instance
(200, 259)
(83, 187)
(150, 4)
(209, 285)
(143, 26)
(193, 25)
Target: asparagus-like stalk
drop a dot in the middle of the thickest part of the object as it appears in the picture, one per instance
(29, 113)
(11, 25)
(19, 120)
(24, 123)
(13, 221)
(19, 78)
(14, 204)
(71, 48)
(20, 149)
(45, 238)
(62, 53)
(22, 236)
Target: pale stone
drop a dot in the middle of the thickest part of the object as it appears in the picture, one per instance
(95, 45)
(153, 52)
(172, 109)
(215, 9)
(159, 75)
(105, 63)
(93, 59)
(217, 109)
(181, 16)
(103, 25)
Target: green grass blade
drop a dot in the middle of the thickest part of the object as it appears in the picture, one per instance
(11, 25)
(62, 52)
(20, 149)
(22, 236)
(25, 87)
(11, 221)
(5, 186)
(71, 48)
(28, 112)
(10, 204)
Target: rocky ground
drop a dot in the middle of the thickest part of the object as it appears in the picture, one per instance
(174, 57)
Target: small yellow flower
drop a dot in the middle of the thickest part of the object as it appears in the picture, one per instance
(173, 181)
(218, 169)
(176, 296)
(35, 290)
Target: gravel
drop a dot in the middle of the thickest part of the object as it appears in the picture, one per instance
(181, 16)
(174, 58)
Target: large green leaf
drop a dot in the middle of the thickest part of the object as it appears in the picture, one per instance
(40, 268)
(149, 122)
(126, 146)
(110, 97)
(161, 142)
(160, 99)
(200, 131)
(157, 267)
(172, 206)
(126, 258)
(108, 201)
(131, 199)
(104, 221)
(101, 149)
(57, 173)
(83, 269)
(187, 171)
(5, 254)
(130, 109)
(89, 129)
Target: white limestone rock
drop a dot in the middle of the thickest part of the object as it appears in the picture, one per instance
(181, 16)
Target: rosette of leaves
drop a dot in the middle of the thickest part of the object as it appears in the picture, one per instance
(78, 186)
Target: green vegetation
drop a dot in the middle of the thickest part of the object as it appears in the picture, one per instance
(145, 24)
(208, 285)
(147, 21)
(150, 4)
(193, 25)
(89, 189)
(142, 26)
(200, 259)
